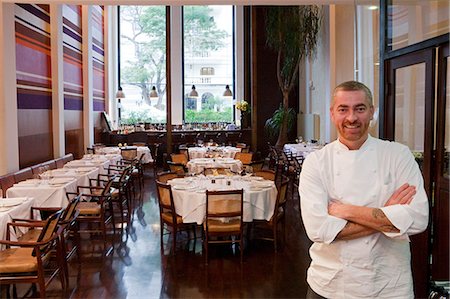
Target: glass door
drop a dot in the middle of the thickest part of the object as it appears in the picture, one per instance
(440, 220)
(409, 119)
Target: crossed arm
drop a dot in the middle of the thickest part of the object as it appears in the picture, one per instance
(364, 221)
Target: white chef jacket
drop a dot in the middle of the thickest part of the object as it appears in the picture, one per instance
(375, 266)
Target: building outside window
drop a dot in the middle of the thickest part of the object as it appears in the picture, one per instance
(142, 40)
(208, 63)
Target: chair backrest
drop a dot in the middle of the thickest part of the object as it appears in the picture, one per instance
(266, 174)
(6, 182)
(257, 165)
(224, 204)
(71, 209)
(176, 167)
(23, 175)
(281, 196)
(49, 229)
(129, 153)
(139, 144)
(245, 158)
(165, 200)
(179, 158)
(163, 177)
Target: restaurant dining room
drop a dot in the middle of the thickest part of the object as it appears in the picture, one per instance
(224, 149)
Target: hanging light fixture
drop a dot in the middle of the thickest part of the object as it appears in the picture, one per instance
(120, 94)
(153, 93)
(227, 93)
(193, 93)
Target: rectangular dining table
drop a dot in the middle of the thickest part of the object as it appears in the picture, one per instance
(189, 196)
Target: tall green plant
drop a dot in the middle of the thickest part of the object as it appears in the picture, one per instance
(292, 31)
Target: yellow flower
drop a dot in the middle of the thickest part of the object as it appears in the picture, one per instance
(243, 106)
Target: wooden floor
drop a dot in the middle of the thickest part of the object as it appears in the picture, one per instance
(138, 268)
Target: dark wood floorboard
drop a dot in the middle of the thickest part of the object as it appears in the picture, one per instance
(138, 269)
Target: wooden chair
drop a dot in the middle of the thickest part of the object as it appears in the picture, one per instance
(96, 210)
(67, 222)
(245, 158)
(279, 216)
(266, 174)
(163, 177)
(23, 174)
(177, 167)
(179, 158)
(121, 191)
(223, 218)
(139, 144)
(29, 261)
(128, 154)
(169, 220)
(257, 165)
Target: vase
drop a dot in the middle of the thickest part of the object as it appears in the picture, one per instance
(244, 121)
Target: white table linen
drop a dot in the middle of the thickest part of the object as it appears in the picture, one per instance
(198, 165)
(82, 175)
(213, 151)
(189, 196)
(21, 210)
(301, 149)
(116, 150)
(46, 193)
(101, 164)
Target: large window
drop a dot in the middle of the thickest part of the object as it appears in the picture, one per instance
(143, 63)
(208, 63)
(207, 45)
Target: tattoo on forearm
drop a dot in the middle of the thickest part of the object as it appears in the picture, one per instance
(389, 228)
(378, 214)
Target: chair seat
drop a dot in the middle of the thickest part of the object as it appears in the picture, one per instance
(30, 236)
(89, 208)
(17, 260)
(217, 226)
(167, 217)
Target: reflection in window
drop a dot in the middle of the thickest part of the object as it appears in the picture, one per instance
(208, 62)
(410, 108)
(412, 22)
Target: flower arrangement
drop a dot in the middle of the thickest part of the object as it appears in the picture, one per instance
(243, 106)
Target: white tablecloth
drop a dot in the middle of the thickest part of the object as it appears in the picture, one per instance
(116, 150)
(190, 204)
(82, 175)
(101, 164)
(44, 192)
(198, 165)
(21, 210)
(301, 149)
(213, 151)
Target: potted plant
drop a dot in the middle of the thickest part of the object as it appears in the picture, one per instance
(292, 31)
(244, 107)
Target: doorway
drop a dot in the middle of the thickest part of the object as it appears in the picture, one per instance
(417, 114)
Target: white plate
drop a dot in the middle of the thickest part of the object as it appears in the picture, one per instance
(84, 169)
(11, 202)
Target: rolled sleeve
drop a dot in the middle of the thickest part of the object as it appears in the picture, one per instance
(400, 218)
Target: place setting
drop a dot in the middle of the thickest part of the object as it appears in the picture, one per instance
(7, 204)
